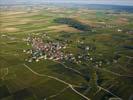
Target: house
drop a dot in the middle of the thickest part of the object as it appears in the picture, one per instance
(119, 30)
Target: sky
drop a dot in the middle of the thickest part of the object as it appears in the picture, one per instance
(114, 2)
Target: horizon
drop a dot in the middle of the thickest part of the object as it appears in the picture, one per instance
(112, 2)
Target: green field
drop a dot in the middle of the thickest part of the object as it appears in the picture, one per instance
(108, 35)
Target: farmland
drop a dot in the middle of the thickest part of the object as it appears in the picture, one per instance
(99, 41)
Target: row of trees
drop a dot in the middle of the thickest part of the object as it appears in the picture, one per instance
(73, 23)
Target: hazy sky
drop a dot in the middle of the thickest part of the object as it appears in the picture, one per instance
(117, 2)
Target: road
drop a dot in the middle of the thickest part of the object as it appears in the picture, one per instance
(59, 80)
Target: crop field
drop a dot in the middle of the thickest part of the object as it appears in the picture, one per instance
(104, 36)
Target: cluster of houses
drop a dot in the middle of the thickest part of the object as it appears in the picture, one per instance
(52, 51)
(41, 50)
(126, 31)
(57, 51)
(129, 31)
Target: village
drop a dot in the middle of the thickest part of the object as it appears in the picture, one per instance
(66, 52)
(53, 51)
(41, 50)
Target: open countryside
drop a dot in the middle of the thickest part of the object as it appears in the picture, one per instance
(66, 52)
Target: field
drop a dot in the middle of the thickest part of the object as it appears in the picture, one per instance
(109, 34)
